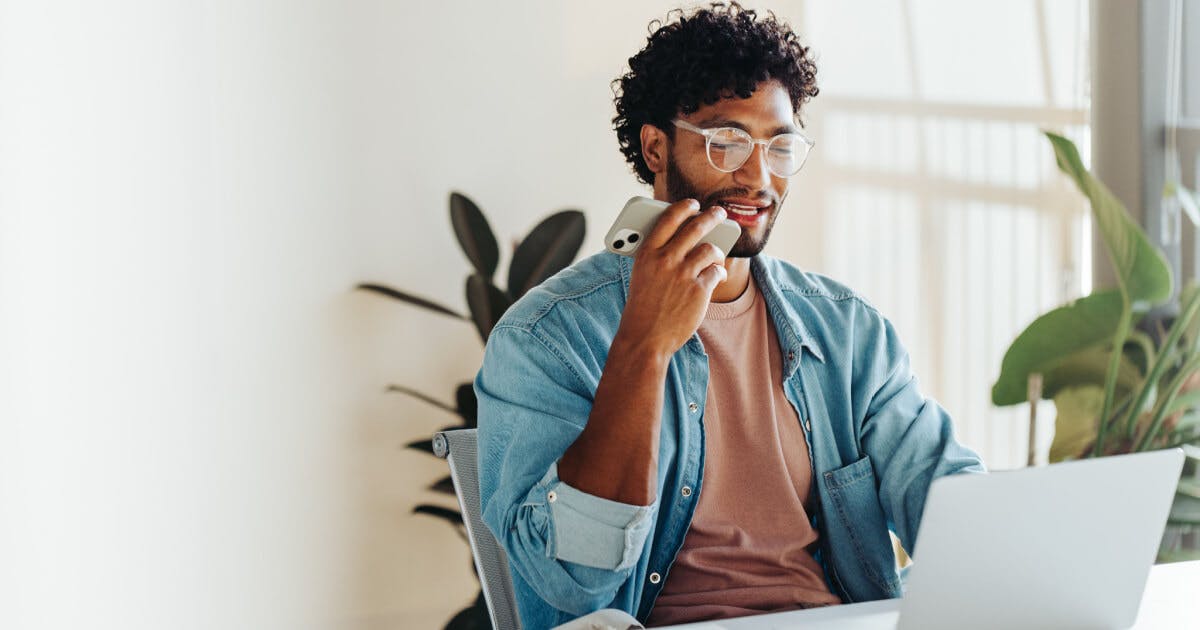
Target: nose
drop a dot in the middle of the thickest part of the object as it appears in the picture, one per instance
(754, 174)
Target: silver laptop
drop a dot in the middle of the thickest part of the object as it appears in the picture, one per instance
(1063, 546)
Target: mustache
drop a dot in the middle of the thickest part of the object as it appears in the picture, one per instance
(712, 198)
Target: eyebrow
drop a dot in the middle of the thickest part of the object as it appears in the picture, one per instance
(709, 123)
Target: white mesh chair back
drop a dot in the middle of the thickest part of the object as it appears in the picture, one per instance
(458, 448)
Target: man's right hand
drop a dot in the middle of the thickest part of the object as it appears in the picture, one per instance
(673, 279)
(616, 455)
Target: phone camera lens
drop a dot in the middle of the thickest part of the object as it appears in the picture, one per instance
(633, 238)
(618, 244)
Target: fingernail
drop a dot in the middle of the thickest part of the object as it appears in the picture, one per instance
(721, 212)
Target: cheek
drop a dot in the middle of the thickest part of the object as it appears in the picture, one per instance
(780, 186)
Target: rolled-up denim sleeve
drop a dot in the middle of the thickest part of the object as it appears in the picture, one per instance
(908, 437)
(573, 548)
(591, 530)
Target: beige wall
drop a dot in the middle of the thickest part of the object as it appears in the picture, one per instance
(195, 434)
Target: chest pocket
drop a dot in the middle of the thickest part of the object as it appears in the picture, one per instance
(858, 518)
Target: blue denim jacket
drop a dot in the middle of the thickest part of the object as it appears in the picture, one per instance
(875, 442)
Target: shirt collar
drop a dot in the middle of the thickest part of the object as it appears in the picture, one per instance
(789, 325)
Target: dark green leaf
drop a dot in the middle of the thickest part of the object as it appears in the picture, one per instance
(1141, 269)
(474, 235)
(452, 516)
(424, 445)
(474, 617)
(1081, 325)
(468, 405)
(548, 248)
(423, 397)
(411, 299)
(487, 304)
(445, 485)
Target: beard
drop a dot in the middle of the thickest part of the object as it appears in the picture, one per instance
(747, 246)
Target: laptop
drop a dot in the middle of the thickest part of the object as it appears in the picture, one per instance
(1058, 547)
(1063, 546)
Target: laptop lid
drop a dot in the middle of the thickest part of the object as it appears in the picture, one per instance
(1062, 546)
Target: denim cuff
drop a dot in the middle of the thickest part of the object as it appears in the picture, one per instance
(594, 531)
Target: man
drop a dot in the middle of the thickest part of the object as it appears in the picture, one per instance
(686, 436)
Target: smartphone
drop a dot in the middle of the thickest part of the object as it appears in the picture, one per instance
(639, 217)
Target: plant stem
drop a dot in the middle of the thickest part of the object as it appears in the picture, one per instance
(1160, 412)
(1161, 361)
(1110, 379)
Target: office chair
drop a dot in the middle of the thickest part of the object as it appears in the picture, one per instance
(458, 448)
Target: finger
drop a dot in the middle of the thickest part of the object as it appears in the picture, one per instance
(702, 256)
(712, 276)
(695, 229)
(670, 220)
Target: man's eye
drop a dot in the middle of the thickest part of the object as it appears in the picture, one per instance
(722, 146)
(783, 153)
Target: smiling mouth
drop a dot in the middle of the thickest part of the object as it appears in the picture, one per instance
(742, 210)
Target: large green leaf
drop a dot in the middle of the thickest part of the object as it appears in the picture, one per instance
(1052, 338)
(1089, 367)
(549, 247)
(1142, 271)
(474, 235)
(1075, 423)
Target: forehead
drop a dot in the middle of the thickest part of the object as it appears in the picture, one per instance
(766, 112)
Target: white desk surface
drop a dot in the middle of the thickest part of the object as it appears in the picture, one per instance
(1171, 602)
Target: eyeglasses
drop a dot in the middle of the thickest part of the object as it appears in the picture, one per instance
(728, 148)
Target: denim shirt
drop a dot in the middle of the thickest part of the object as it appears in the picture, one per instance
(874, 440)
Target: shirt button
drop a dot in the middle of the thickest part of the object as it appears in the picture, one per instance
(692, 407)
(655, 578)
(552, 496)
(791, 356)
(808, 425)
(687, 491)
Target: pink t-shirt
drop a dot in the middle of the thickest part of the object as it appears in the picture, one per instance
(749, 548)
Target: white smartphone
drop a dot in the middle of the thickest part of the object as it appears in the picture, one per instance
(639, 217)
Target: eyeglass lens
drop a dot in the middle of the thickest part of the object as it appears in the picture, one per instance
(729, 148)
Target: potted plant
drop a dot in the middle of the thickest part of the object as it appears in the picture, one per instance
(547, 249)
(1122, 381)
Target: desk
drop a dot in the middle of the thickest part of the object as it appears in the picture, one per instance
(1171, 602)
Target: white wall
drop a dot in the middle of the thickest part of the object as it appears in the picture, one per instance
(194, 429)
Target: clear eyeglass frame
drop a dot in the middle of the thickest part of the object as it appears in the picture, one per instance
(749, 141)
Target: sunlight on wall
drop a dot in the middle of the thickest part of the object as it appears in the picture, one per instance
(935, 192)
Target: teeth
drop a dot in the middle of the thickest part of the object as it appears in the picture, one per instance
(742, 210)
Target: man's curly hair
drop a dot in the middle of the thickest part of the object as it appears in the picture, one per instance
(700, 58)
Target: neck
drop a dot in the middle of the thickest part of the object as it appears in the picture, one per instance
(736, 280)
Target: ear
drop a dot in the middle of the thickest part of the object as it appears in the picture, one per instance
(654, 148)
